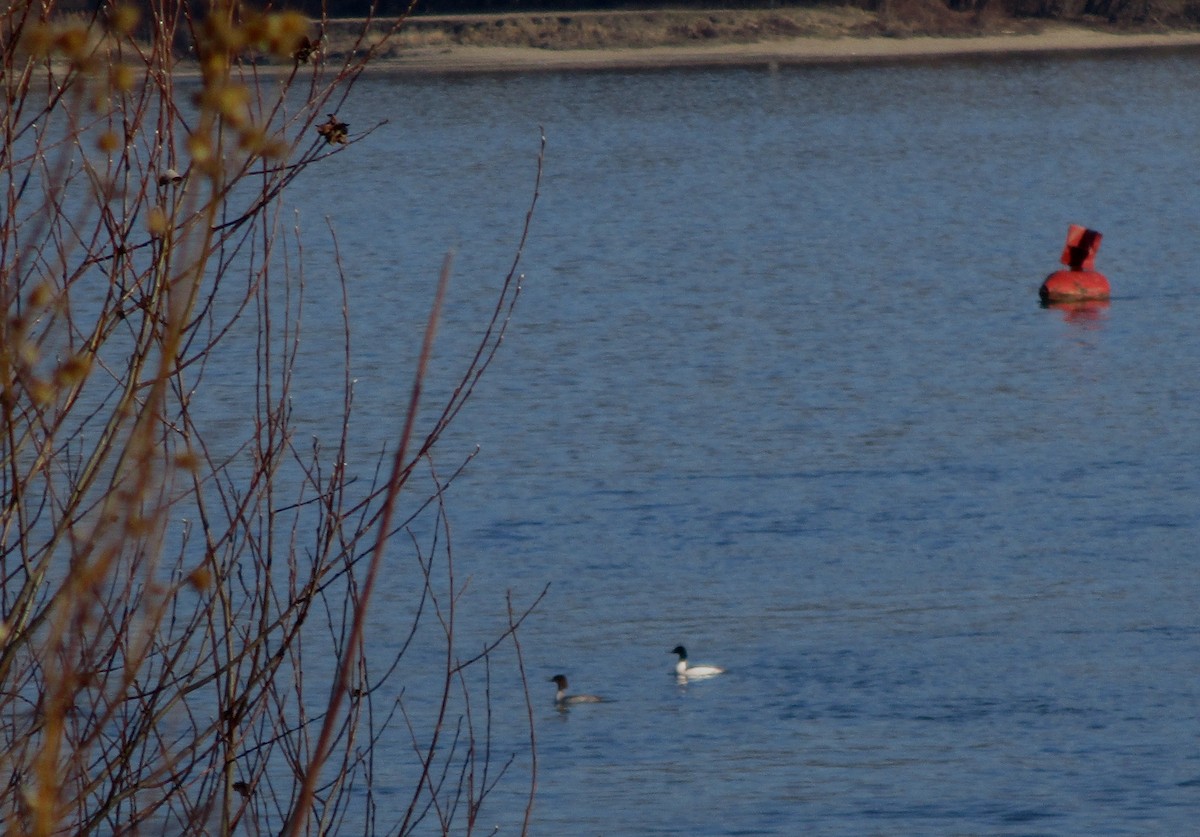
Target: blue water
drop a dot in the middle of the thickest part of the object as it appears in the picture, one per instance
(779, 388)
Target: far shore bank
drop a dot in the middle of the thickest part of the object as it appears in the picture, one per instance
(1054, 38)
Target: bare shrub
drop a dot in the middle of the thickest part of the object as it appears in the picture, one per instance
(182, 630)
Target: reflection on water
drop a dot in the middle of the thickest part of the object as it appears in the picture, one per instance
(1089, 313)
(780, 388)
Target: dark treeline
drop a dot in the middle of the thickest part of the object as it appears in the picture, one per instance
(1176, 12)
(394, 8)
(1162, 12)
(358, 8)
(444, 7)
(1116, 11)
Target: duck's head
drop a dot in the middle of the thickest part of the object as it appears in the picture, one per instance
(559, 681)
(680, 650)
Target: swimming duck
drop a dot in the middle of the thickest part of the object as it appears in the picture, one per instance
(682, 669)
(563, 699)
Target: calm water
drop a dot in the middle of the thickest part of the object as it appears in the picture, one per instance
(779, 389)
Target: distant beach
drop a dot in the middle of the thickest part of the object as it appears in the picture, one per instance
(425, 55)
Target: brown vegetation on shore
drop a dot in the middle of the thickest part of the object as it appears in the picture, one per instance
(635, 29)
(648, 29)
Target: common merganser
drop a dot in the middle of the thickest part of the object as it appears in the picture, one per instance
(682, 669)
(563, 699)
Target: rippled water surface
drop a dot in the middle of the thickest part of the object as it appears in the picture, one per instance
(779, 389)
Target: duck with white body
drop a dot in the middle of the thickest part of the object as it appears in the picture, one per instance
(690, 672)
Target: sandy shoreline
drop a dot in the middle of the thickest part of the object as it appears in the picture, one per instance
(458, 59)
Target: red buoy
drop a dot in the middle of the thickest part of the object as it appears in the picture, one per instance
(1079, 283)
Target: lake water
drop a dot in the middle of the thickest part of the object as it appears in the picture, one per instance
(779, 389)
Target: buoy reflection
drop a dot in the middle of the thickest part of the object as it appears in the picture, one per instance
(1082, 312)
